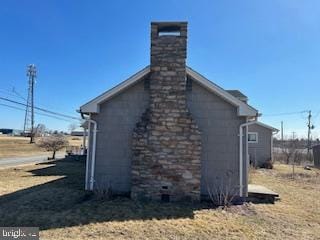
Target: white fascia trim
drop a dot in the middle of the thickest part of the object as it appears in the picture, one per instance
(93, 105)
(243, 108)
(268, 127)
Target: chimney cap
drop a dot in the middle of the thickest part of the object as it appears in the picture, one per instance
(169, 24)
(169, 27)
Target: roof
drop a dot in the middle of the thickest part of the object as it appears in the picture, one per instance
(238, 94)
(267, 126)
(243, 108)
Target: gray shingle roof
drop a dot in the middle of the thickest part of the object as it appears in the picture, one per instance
(238, 94)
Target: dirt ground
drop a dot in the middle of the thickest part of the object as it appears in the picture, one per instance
(11, 146)
(51, 196)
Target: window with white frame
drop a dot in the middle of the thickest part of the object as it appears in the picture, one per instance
(252, 137)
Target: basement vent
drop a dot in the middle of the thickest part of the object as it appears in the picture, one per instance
(169, 31)
(165, 198)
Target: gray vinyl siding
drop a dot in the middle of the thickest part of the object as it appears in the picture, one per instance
(116, 121)
(260, 152)
(219, 124)
(217, 120)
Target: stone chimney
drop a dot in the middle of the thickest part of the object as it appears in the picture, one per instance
(166, 142)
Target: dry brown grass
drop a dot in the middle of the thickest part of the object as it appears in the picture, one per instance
(17, 146)
(20, 147)
(75, 141)
(51, 196)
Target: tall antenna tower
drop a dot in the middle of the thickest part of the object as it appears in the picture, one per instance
(28, 128)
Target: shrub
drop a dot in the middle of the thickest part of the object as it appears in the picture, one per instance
(268, 164)
(221, 192)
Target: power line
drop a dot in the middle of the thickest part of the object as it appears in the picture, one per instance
(282, 114)
(18, 94)
(41, 109)
(14, 93)
(42, 114)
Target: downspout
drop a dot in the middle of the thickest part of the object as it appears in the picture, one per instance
(84, 142)
(87, 160)
(93, 158)
(246, 124)
(271, 144)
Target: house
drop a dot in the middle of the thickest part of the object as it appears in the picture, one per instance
(260, 138)
(260, 141)
(168, 133)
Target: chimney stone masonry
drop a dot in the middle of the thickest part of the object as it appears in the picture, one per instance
(166, 144)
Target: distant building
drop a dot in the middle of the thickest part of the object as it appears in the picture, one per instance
(260, 143)
(77, 132)
(10, 131)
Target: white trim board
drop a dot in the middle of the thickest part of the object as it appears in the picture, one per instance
(93, 105)
(267, 126)
(243, 108)
(253, 133)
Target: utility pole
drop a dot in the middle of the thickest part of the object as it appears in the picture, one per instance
(282, 133)
(310, 126)
(28, 128)
(293, 135)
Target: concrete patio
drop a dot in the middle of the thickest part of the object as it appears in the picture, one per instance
(261, 194)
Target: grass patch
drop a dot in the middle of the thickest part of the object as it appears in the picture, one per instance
(51, 196)
(13, 146)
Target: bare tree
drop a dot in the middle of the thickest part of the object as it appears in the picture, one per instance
(288, 149)
(53, 143)
(40, 130)
(292, 153)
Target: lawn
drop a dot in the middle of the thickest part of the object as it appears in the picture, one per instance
(51, 196)
(12, 146)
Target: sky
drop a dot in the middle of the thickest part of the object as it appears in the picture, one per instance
(267, 49)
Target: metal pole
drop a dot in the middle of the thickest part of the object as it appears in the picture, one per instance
(32, 110)
(309, 132)
(31, 73)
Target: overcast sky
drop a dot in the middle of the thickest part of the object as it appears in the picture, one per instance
(270, 50)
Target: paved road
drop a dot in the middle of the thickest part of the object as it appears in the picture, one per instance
(16, 161)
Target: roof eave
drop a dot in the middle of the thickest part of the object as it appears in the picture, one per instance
(267, 126)
(93, 105)
(243, 108)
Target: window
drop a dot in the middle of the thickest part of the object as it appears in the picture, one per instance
(252, 137)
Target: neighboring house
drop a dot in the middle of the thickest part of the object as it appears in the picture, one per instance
(260, 138)
(260, 141)
(167, 132)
